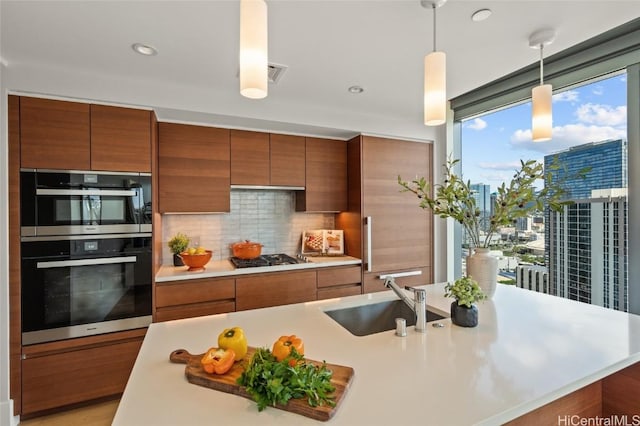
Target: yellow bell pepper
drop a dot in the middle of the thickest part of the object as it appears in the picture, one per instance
(282, 346)
(233, 338)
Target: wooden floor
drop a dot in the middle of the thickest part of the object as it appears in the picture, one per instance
(100, 414)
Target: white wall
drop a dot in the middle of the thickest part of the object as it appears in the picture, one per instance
(6, 405)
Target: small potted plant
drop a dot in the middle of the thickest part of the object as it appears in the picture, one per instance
(177, 245)
(466, 291)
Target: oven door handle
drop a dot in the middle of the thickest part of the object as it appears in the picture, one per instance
(86, 262)
(81, 192)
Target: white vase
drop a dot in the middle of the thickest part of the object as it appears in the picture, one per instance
(483, 267)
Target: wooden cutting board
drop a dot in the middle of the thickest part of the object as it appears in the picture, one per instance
(341, 379)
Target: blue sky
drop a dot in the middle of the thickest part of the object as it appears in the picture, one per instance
(494, 144)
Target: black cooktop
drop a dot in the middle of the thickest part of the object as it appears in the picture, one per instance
(264, 260)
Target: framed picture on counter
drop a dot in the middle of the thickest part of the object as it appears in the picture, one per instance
(323, 242)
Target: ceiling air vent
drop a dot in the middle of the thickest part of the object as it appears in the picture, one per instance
(275, 72)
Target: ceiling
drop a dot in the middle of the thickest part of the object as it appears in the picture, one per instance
(82, 49)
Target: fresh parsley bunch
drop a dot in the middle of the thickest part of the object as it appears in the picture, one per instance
(272, 382)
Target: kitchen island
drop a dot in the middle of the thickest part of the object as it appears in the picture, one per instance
(529, 349)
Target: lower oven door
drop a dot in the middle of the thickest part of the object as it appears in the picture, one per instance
(73, 294)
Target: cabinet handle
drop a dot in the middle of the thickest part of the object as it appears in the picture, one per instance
(400, 275)
(88, 192)
(85, 262)
(368, 224)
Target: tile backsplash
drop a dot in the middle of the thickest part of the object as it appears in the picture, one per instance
(264, 216)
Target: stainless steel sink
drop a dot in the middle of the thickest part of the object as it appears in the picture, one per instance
(377, 317)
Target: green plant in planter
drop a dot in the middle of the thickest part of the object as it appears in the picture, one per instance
(178, 243)
(465, 290)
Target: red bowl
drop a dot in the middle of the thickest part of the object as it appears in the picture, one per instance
(196, 262)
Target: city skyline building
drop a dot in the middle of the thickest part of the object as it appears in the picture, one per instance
(482, 195)
(586, 243)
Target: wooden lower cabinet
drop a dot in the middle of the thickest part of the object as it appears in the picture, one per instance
(621, 392)
(193, 298)
(273, 289)
(339, 282)
(613, 397)
(78, 370)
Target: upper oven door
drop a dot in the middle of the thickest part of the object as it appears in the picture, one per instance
(73, 203)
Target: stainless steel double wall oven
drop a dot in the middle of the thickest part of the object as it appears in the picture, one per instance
(86, 253)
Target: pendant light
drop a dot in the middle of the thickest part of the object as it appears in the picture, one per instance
(253, 49)
(541, 108)
(435, 77)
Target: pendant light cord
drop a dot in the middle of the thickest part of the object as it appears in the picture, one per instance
(434, 25)
(541, 65)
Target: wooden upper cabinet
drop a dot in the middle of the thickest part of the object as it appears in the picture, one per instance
(75, 136)
(249, 158)
(54, 134)
(326, 176)
(287, 160)
(193, 168)
(120, 139)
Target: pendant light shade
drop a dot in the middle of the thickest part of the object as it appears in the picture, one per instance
(435, 77)
(541, 102)
(253, 49)
(541, 117)
(435, 89)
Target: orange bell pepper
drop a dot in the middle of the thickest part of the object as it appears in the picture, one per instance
(282, 346)
(218, 361)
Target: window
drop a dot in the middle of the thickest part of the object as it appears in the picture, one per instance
(584, 250)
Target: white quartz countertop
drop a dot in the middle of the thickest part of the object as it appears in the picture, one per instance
(528, 349)
(224, 268)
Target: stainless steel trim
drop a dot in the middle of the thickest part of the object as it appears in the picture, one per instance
(146, 227)
(368, 223)
(400, 275)
(85, 172)
(274, 187)
(79, 230)
(83, 330)
(86, 262)
(28, 231)
(84, 237)
(83, 192)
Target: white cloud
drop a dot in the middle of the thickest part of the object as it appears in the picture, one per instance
(567, 96)
(566, 136)
(602, 115)
(477, 124)
(598, 91)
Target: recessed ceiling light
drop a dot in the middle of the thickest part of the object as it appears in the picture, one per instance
(144, 49)
(480, 15)
(355, 89)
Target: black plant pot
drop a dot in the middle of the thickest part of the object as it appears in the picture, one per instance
(463, 316)
(177, 260)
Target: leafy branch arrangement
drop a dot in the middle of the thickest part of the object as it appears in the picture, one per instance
(272, 382)
(465, 290)
(454, 198)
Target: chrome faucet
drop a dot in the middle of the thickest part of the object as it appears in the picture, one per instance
(418, 304)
